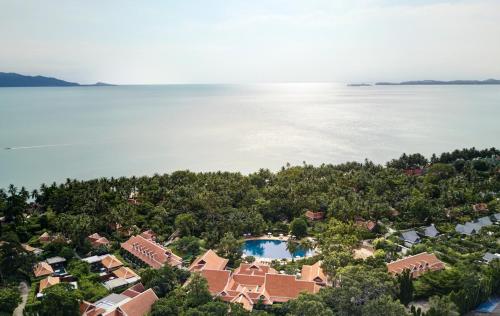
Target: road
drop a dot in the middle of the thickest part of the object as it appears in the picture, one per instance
(23, 287)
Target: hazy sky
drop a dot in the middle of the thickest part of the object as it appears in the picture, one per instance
(250, 41)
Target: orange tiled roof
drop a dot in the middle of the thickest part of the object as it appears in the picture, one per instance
(244, 300)
(314, 215)
(89, 309)
(124, 273)
(417, 264)
(217, 279)
(134, 290)
(45, 237)
(209, 260)
(42, 269)
(111, 262)
(48, 282)
(139, 305)
(314, 273)
(97, 240)
(255, 282)
(254, 269)
(151, 253)
(149, 234)
(282, 287)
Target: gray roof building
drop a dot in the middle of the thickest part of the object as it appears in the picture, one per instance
(490, 256)
(410, 237)
(484, 221)
(496, 217)
(55, 260)
(468, 228)
(110, 301)
(431, 231)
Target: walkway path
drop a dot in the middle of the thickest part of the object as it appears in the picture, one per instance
(23, 287)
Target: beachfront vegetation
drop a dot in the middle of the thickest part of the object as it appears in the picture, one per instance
(214, 210)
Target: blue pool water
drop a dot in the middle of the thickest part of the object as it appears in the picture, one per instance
(488, 306)
(273, 249)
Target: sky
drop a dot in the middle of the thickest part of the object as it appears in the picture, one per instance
(240, 41)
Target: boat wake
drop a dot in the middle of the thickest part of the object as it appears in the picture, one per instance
(36, 146)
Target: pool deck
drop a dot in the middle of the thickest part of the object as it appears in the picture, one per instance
(266, 237)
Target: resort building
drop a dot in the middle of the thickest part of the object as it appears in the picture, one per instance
(97, 240)
(33, 250)
(148, 252)
(48, 282)
(470, 228)
(121, 277)
(45, 238)
(103, 264)
(42, 269)
(112, 272)
(431, 231)
(314, 216)
(209, 261)
(250, 283)
(488, 257)
(135, 301)
(314, 273)
(417, 264)
(410, 237)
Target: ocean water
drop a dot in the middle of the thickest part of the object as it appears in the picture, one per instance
(89, 132)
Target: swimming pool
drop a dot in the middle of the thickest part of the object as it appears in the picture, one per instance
(272, 249)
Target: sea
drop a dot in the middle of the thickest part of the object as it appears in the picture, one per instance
(50, 134)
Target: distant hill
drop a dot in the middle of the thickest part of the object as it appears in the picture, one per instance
(10, 79)
(437, 82)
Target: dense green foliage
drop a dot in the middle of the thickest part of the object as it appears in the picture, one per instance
(9, 299)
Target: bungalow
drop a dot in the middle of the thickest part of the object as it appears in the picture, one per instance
(97, 240)
(42, 269)
(410, 237)
(496, 217)
(314, 273)
(431, 231)
(45, 238)
(33, 250)
(150, 253)
(103, 264)
(250, 283)
(314, 216)
(135, 301)
(123, 276)
(417, 264)
(484, 221)
(47, 282)
(470, 228)
(480, 207)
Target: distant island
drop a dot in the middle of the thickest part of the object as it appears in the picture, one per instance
(17, 80)
(438, 82)
(358, 85)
